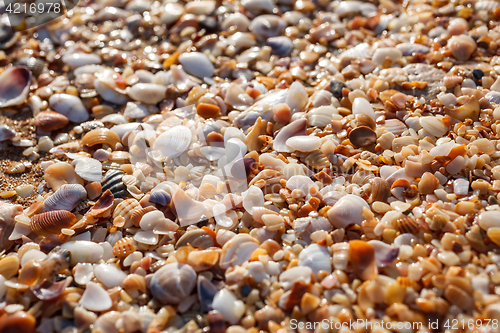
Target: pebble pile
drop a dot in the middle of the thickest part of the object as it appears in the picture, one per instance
(240, 166)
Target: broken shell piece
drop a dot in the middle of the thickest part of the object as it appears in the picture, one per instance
(95, 298)
(470, 110)
(362, 256)
(14, 86)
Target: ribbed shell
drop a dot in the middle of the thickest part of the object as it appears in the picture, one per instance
(126, 208)
(124, 247)
(113, 181)
(408, 225)
(173, 283)
(100, 136)
(52, 222)
(65, 198)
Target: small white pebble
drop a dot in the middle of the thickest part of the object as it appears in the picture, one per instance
(25, 190)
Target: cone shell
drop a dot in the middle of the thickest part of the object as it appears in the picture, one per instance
(52, 222)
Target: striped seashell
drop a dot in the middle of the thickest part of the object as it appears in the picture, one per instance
(408, 283)
(408, 225)
(124, 247)
(126, 208)
(102, 206)
(112, 181)
(137, 214)
(160, 197)
(65, 198)
(100, 136)
(52, 222)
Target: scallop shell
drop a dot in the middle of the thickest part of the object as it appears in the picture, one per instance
(457, 296)
(295, 128)
(174, 141)
(126, 208)
(124, 247)
(340, 255)
(100, 136)
(172, 283)
(237, 250)
(321, 116)
(50, 121)
(408, 225)
(160, 197)
(112, 181)
(138, 213)
(14, 86)
(52, 222)
(65, 198)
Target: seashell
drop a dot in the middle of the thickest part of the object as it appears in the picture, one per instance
(83, 273)
(9, 266)
(30, 273)
(381, 54)
(203, 259)
(395, 126)
(305, 226)
(65, 198)
(362, 136)
(6, 133)
(295, 128)
(83, 251)
(48, 292)
(15, 167)
(135, 282)
(89, 169)
(458, 297)
(100, 136)
(124, 247)
(172, 283)
(281, 45)
(174, 141)
(18, 321)
(362, 177)
(138, 214)
(296, 97)
(79, 59)
(362, 256)
(348, 8)
(253, 197)
(206, 292)
(236, 21)
(348, 210)
(126, 208)
(197, 64)
(470, 110)
(408, 225)
(266, 26)
(228, 306)
(95, 298)
(198, 238)
(14, 86)
(109, 275)
(188, 210)
(451, 81)
(59, 174)
(102, 206)
(321, 116)
(409, 49)
(493, 97)
(317, 160)
(237, 250)
(69, 106)
(462, 47)
(317, 258)
(112, 181)
(52, 222)
(160, 197)
(434, 126)
(362, 106)
(384, 253)
(107, 89)
(147, 93)
(340, 255)
(303, 143)
(50, 121)
(94, 190)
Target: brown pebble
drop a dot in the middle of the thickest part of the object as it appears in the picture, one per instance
(17, 322)
(215, 139)
(208, 110)
(49, 121)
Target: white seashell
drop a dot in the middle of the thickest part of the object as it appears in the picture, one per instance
(173, 141)
(197, 64)
(14, 85)
(84, 272)
(189, 211)
(106, 322)
(302, 183)
(295, 128)
(489, 219)
(235, 20)
(171, 13)
(296, 97)
(95, 298)
(172, 283)
(304, 143)
(229, 306)
(461, 186)
(266, 26)
(257, 270)
(136, 110)
(147, 93)
(253, 197)
(109, 275)
(317, 258)
(33, 254)
(65, 198)
(146, 237)
(70, 106)
(362, 106)
(443, 149)
(348, 210)
(434, 126)
(220, 216)
(340, 255)
(107, 89)
(381, 54)
(79, 59)
(212, 153)
(235, 149)
(321, 116)
(237, 250)
(150, 220)
(202, 7)
(89, 169)
(83, 251)
(297, 273)
(131, 258)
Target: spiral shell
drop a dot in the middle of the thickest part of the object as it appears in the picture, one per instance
(52, 222)
(172, 283)
(50, 121)
(123, 247)
(100, 136)
(65, 198)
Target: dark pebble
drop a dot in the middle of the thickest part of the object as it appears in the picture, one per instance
(336, 87)
(478, 74)
(208, 23)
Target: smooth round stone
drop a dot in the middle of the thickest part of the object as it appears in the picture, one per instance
(197, 64)
(362, 106)
(496, 113)
(303, 143)
(489, 219)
